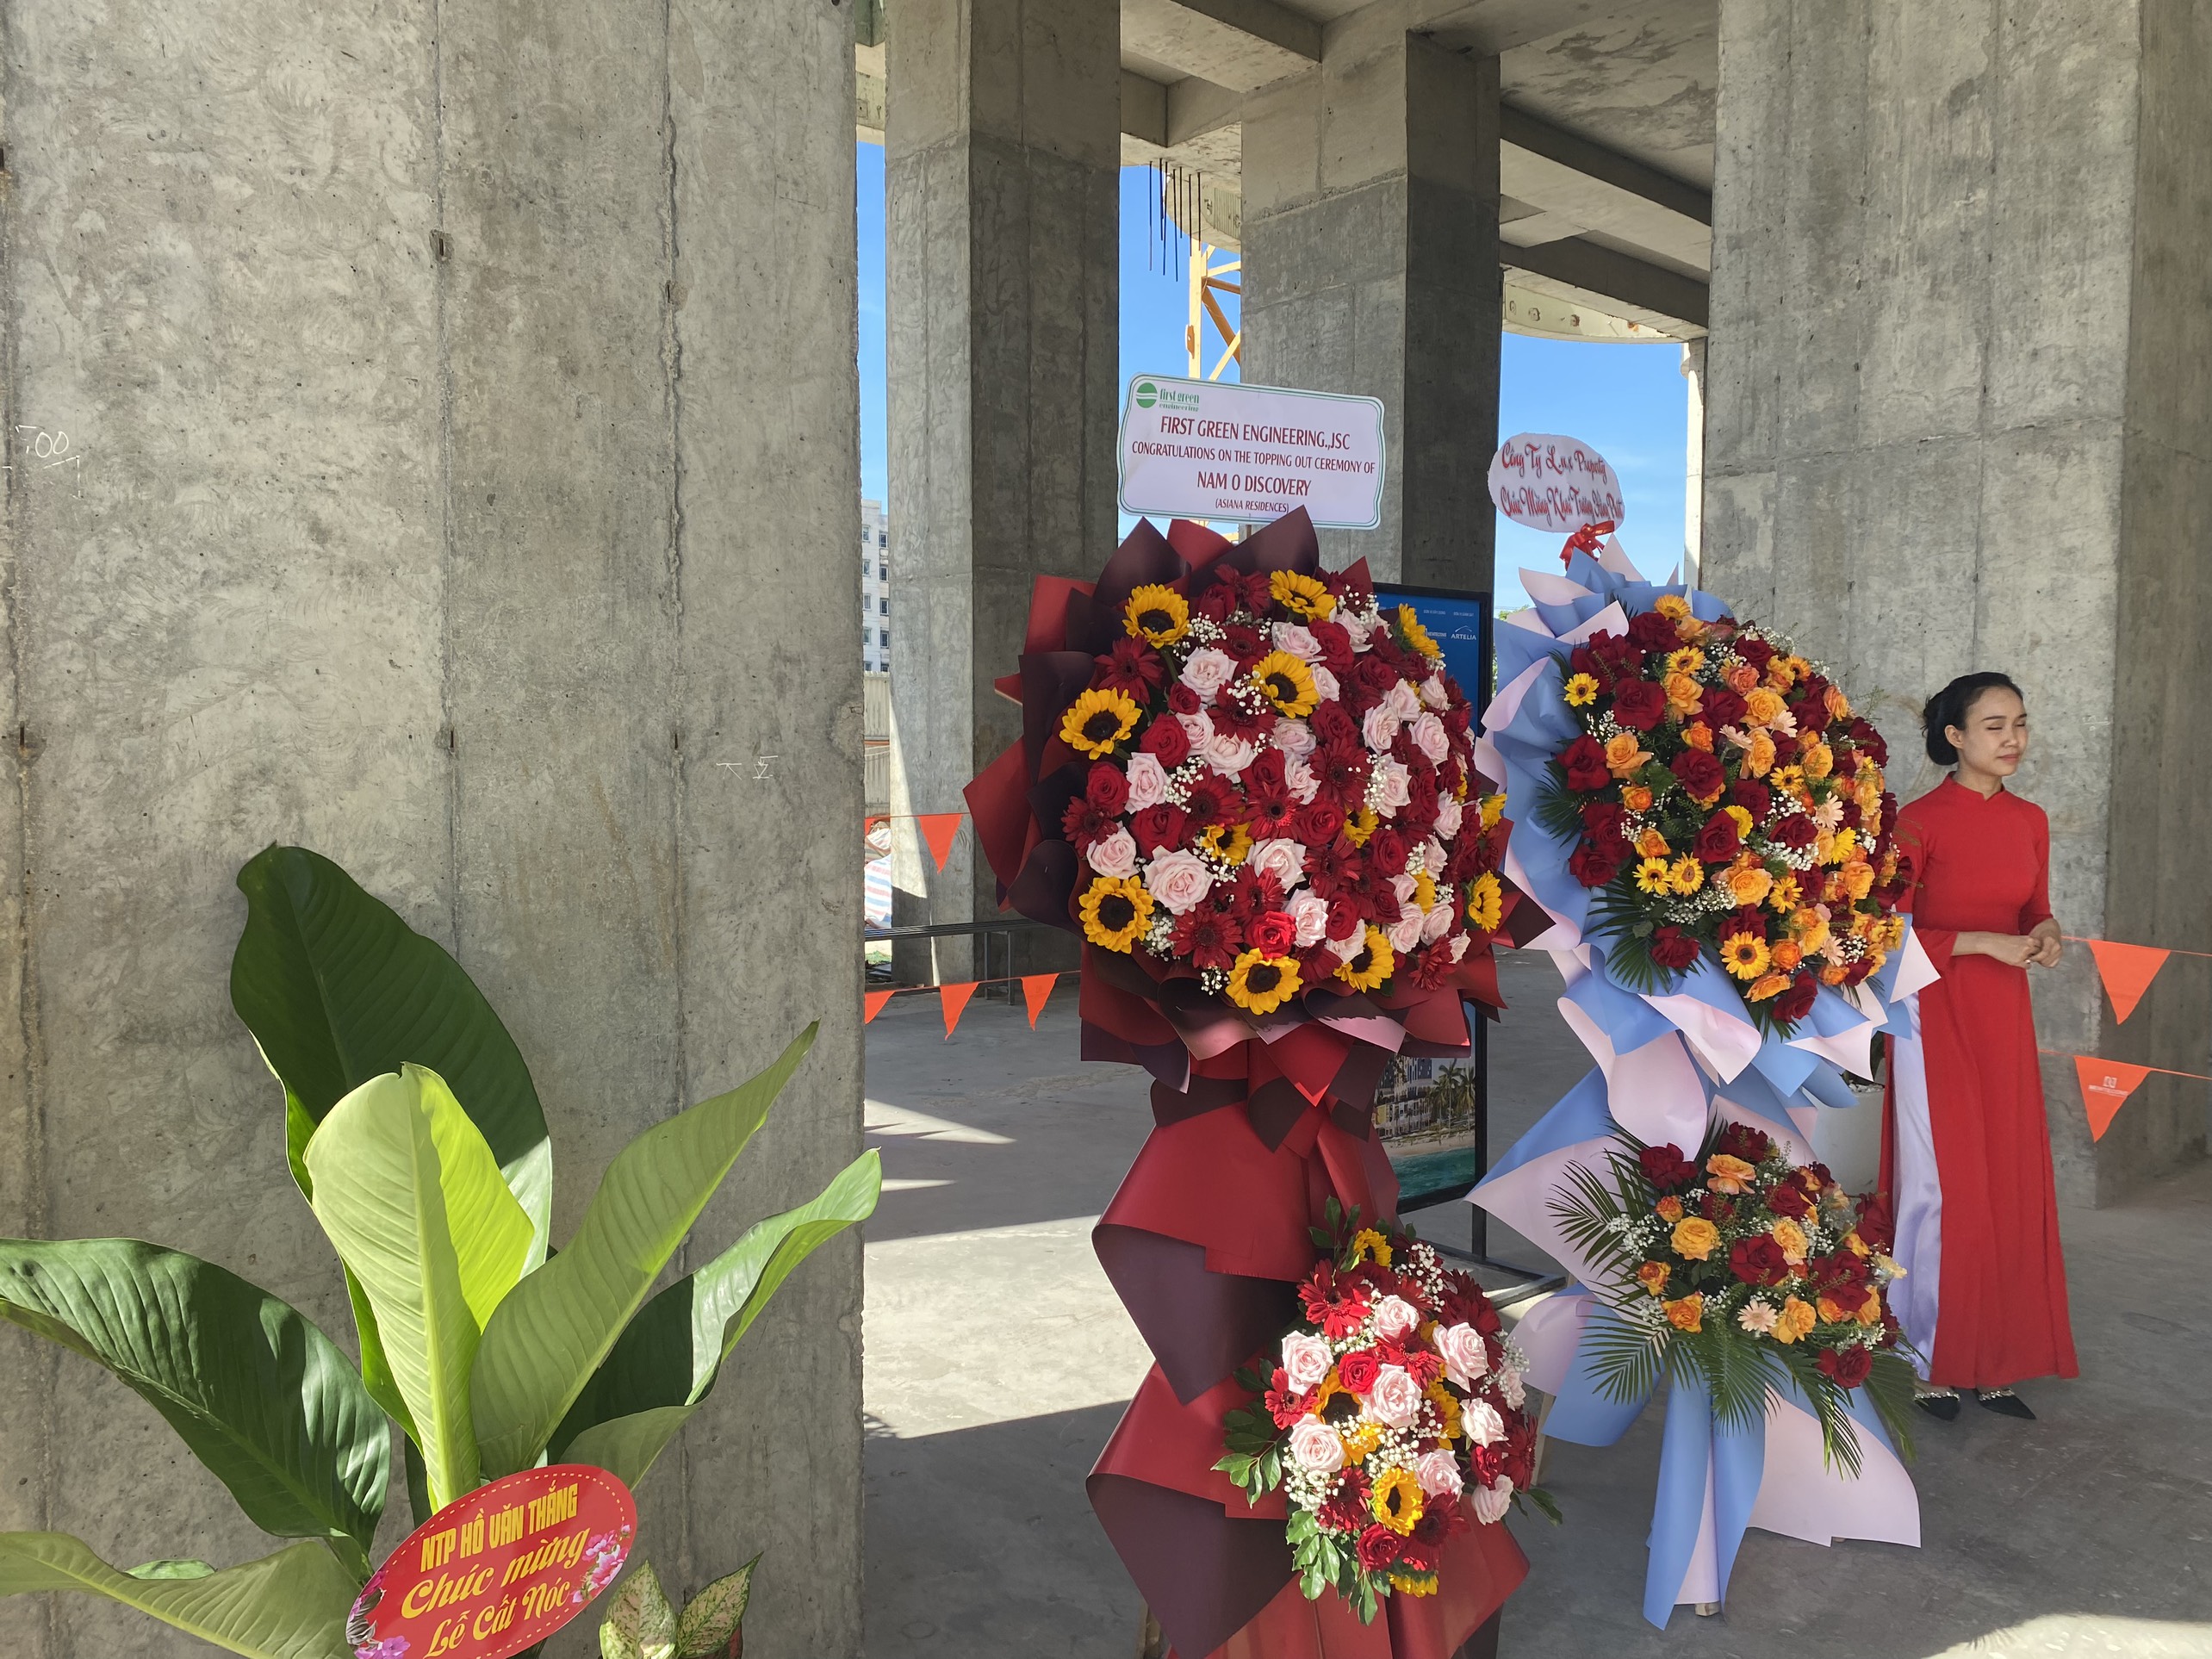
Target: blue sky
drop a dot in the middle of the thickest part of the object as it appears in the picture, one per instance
(1630, 401)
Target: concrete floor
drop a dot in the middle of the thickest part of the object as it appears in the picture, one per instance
(999, 1360)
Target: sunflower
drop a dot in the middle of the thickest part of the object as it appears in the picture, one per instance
(1651, 876)
(1360, 824)
(1360, 1439)
(1303, 596)
(1493, 808)
(1098, 720)
(1396, 1498)
(1229, 842)
(1287, 683)
(1156, 614)
(1116, 910)
(1447, 1407)
(1744, 956)
(1486, 902)
(1262, 983)
(1372, 966)
(1405, 1581)
(1425, 891)
(1581, 691)
(1370, 1246)
(1418, 636)
(1686, 875)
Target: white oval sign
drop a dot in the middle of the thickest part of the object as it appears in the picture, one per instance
(1550, 482)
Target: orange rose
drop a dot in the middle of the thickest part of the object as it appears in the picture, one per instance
(1683, 693)
(1652, 844)
(1870, 1310)
(1763, 707)
(1623, 756)
(1669, 1208)
(1839, 706)
(1686, 1314)
(1729, 1173)
(1817, 759)
(1833, 1311)
(1795, 1320)
(1748, 884)
(1779, 674)
(1811, 930)
(1635, 797)
(1760, 761)
(1770, 984)
(1699, 735)
(1786, 955)
(1858, 880)
(1834, 974)
(1694, 1237)
(1741, 678)
(1652, 1276)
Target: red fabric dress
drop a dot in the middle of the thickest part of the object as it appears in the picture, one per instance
(1982, 866)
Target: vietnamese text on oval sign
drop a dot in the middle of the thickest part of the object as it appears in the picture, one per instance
(1554, 483)
(499, 1571)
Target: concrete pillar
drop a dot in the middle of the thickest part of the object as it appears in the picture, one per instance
(1370, 266)
(1002, 174)
(1693, 375)
(468, 406)
(1960, 417)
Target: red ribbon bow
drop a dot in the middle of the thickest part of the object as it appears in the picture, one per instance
(1586, 540)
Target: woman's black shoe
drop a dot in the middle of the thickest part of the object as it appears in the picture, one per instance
(1943, 1407)
(2004, 1403)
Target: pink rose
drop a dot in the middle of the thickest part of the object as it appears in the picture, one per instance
(1198, 728)
(1432, 691)
(1115, 855)
(1509, 1384)
(1306, 1360)
(1479, 1422)
(1438, 1473)
(1280, 857)
(1209, 670)
(1436, 923)
(1226, 754)
(1311, 912)
(1406, 932)
(1148, 781)
(1458, 946)
(1466, 1356)
(1429, 737)
(1395, 1316)
(1402, 700)
(1448, 809)
(1314, 1446)
(1491, 1502)
(1396, 1398)
(1299, 779)
(1177, 879)
(1299, 641)
(1379, 726)
(1397, 786)
(1292, 737)
(1344, 949)
(1325, 686)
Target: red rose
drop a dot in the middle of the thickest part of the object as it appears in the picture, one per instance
(1699, 773)
(1720, 707)
(1378, 1547)
(1182, 699)
(1374, 672)
(1603, 820)
(1864, 735)
(1719, 841)
(1331, 725)
(1857, 972)
(1848, 1366)
(1742, 1140)
(1585, 761)
(1653, 631)
(1274, 932)
(1796, 830)
(1753, 797)
(1673, 948)
(1876, 1226)
(1107, 788)
(1758, 1260)
(1756, 652)
(1336, 645)
(1811, 713)
(1790, 1200)
(1157, 827)
(1167, 742)
(1619, 657)
(1639, 704)
(1794, 1004)
(1386, 851)
(1218, 601)
(1592, 866)
(1665, 1167)
(1316, 824)
(1358, 1370)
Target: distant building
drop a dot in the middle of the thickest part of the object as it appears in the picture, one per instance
(875, 588)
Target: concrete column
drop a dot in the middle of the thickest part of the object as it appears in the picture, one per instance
(1370, 266)
(1960, 417)
(1694, 375)
(468, 408)
(1001, 173)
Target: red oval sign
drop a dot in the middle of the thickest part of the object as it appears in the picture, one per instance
(499, 1569)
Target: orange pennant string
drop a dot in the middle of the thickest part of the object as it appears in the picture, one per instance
(2126, 970)
(872, 1003)
(955, 998)
(1036, 988)
(939, 829)
(2105, 1086)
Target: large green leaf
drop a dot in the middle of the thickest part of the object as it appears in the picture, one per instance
(665, 1363)
(405, 1194)
(552, 1333)
(262, 1397)
(288, 1606)
(337, 990)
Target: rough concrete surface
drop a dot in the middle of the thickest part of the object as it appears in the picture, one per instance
(1958, 416)
(998, 1361)
(467, 402)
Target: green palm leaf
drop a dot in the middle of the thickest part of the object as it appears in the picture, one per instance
(552, 1333)
(288, 1606)
(665, 1363)
(400, 1175)
(261, 1396)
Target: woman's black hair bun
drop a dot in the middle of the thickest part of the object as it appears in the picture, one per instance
(1949, 708)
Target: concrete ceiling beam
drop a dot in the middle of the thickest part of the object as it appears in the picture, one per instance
(1239, 44)
(1607, 274)
(1499, 26)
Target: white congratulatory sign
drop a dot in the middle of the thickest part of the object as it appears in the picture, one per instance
(1198, 449)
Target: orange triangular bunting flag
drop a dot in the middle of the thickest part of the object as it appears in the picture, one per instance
(938, 828)
(1035, 988)
(872, 1003)
(2127, 971)
(956, 1001)
(2105, 1086)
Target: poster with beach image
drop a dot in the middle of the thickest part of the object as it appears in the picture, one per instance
(1425, 1112)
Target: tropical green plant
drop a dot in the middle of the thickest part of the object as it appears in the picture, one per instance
(640, 1623)
(415, 1134)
